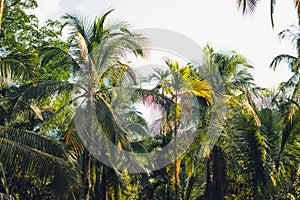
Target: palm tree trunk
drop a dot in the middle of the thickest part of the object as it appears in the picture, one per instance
(215, 177)
(87, 173)
(1, 12)
(219, 173)
(103, 187)
(98, 180)
(208, 187)
(176, 174)
(176, 162)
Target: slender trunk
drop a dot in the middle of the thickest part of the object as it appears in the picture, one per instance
(208, 179)
(87, 173)
(215, 177)
(168, 185)
(103, 184)
(1, 13)
(98, 181)
(218, 173)
(176, 162)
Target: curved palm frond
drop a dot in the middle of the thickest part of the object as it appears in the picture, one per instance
(40, 90)
(251, 151)
(35, 153)
(288, 59)
(57, 57)
(117, 48)
(111, 124)
(72, 139)
(16, 66)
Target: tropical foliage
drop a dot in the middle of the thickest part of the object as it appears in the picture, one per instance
(245, 139)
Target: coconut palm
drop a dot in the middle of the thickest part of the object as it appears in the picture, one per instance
(288, 95)
(173, 90)
(98, 50)
(232, 84)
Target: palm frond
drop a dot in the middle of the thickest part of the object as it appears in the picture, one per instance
(35, 140)
(117, 48)
(40, 90)
(36, 153)
(251, 152)
(110, 123)
(288, 59)
(247, 6)
(99, 29)
(3, 179)
(72, 139)
(17, 67)
(58, 58)
(79, 24)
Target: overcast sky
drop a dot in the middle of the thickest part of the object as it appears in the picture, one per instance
(214, 22)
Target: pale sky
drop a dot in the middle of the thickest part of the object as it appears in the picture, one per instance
(214, 22)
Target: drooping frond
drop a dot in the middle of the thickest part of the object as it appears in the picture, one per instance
(40, 90)
(35, 153)
(293, 35)
(109, 52)
(72, 139)
(17, 66)
(48, 145)
(57, 57)
(288, 59)
(111, 124)
(251, 152)
(247, 6)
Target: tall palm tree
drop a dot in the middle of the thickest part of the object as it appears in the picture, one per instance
(173, 89)
(288, 94)
(232, 85)
(97, 50)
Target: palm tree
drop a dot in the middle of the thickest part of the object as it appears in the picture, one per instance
(289, 90)
(97, 49)
(174, 87)
(248, 6)
(287, 102)
(232, 85)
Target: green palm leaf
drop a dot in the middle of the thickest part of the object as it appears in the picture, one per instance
(35, 153)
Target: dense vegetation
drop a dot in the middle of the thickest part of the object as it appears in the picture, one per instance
(252, 153)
